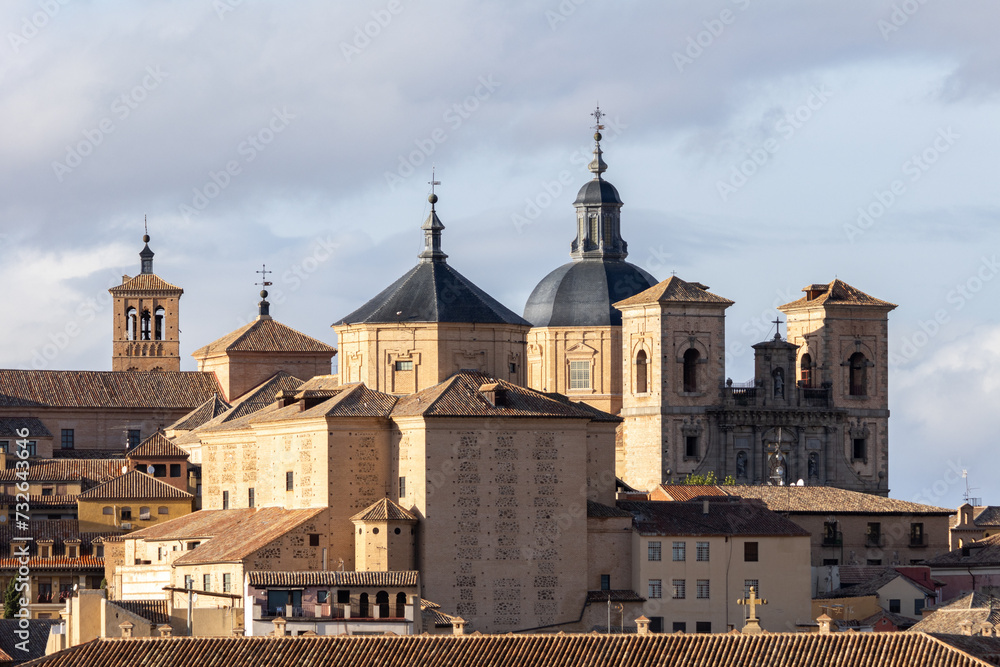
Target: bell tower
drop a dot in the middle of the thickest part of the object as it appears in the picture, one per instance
(146, 320)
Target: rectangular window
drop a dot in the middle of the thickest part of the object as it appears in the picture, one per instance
(5, 446)
(289, 481)
(894, 606)
(918, 607)
(751, 583)
(655, 589)
(680, 551)
(680, 589)
(703, 589)
(831, 561)
(873, 561)
(512, 367)
(605, 582)
(404, 365)
(206, 582)
(47, 490)
(188, 581)
(314, 539)
(322, 597)
(134, 437)
(402, 487)
(873, 534)
(163, 509)
(680, 626)
(227, 583)
(175, 469)
(691, 447)
(831, 535)
(225, 500)
(860, 449)
(653, 550)
(701, 551)
(30, 447)
(750, 552)
(126, 514)
(579, 375)
(250, 497)
(703, 626)
(343, 597)
(67, 438)
(917, 535)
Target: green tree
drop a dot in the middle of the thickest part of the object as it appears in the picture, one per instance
(11, 600)
(709, 479)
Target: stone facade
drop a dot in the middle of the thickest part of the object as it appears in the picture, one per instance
(552, 352)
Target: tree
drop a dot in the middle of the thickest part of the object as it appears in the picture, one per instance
(11, 599)
(708, 480)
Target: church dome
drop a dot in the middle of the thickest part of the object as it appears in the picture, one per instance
(597, 192)
(581, 293)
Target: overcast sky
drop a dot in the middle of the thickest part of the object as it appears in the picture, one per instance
(745, 137)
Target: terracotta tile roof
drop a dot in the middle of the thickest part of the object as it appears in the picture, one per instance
(989, 517)
(984, 648)
(260, 397)
(154, 611)
(431, 615)
(384, 510)
(460, 396)
(92, 471)
(157, 446)
(9, 427)
(596, 597)
(77, 454)
(135, 485)
(675, 290)
(857, 649)
(397, 579)
(352, 400)
(38, 635)
(900, 621)
(858, 574)
(202, 414)
(56, 530)
(827, 500)
(682, 492)
(41, 502)
(320, 382)
(981, 553)
(837, 293)
(737, 518)
(105, 389)
(598, 511)
(145, 282)
(974, 608)
(264, 335)
(873, 586)
(35, 564)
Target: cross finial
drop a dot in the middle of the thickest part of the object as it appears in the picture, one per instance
(263, 273)
(598, 115)
(265, 307)
(433, 182)
(751, 600)
(777, 324)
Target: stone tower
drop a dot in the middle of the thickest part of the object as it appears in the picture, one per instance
(146, 320)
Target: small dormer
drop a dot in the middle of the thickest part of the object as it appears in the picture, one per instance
(495, 393)
(72, 547)
(815, 290)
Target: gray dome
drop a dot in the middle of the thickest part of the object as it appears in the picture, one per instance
(597, 191)
(580, 293)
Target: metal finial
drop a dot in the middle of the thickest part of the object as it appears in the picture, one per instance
(777, 325)
(433, 197)
(598, 115)
(145, 227)
(264, 283)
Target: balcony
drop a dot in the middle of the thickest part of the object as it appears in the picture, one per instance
(815, 397)
(834, 539)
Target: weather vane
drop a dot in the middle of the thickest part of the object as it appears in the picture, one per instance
(263, 272)
(145, 224)
(433, 182)
(598, 115)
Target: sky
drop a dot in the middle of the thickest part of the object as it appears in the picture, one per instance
(759, 147)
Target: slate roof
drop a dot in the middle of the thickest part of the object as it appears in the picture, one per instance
(145, 282)
(38, 635)
(395, 579)
(135, 485)
(838, 293)
(202, 414)
(384, 510)
(830, 500)
(154, 611)
(675, 290)
(872, 586)
(858, 649)
(92, 471)
(459, 396)
(673, 518)
(974, 608)
(981, 553)
(157, 446)
(598, 511)
(264, 335)
(9, 427)
(231, 535)
(105, 389)
(433, 292)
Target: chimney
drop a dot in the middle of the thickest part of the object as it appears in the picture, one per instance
(458, 625)
(642, 626)
(824, 624)
(165, 630)
(704, 507)
(279, 627)
(126, 629)
(966, 628)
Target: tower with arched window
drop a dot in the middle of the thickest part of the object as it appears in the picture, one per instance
(146, 333)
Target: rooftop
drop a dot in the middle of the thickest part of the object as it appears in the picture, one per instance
(836, 293)
(384, 510)
(397, 579)
(92, 471)
(675, 290)
(680, 518)
(157, 446)
(981, 553)
(830, 500)
(105, 389)
(202, 414)
(135, 485)
(974, 608)
(264, 335)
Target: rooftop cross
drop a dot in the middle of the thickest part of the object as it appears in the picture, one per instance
(777, 324)
(263, 273)
(751, 600)
(433, 182)
(264, 305)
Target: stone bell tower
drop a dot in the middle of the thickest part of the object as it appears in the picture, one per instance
(146, 320)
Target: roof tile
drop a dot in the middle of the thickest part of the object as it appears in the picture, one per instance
(675, 290)
(105, 389)
(264, 335)
(135, 485)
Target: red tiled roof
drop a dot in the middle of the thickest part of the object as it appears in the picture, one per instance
(135, 485)
(736, 518)
(265, 335)
(857, 649)
(105, 389)
(682, 492)
(157, 446)
(675, 290)
(145, 282)
(838, 293)
(66, 470)
(383, 510)
(981, 553)
(258, 398)
(154, 611)
(40, 502)
(56, 530)
(55, 563)
(395, 579)
(202, 414)
(829, 500)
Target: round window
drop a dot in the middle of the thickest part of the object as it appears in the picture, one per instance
(375, 531)
(396, 531)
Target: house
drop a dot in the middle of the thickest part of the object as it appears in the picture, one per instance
(974, 613)
(132, 500)
(901, 591)
(972, 568)
(974, 522)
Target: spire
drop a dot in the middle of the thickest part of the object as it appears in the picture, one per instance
(598, 225)
(432, 230)
(597, 165)
(264, 305)
(146, 255)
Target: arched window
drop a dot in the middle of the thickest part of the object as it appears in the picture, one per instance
(382, 600)
(363, 606)
(691, 370)
(593, 230)
(859, 374)
(130, 324)
(779, 383)
(158, 323)
(400, 605)
(145, 325)
(640, 373)
(805, 369)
